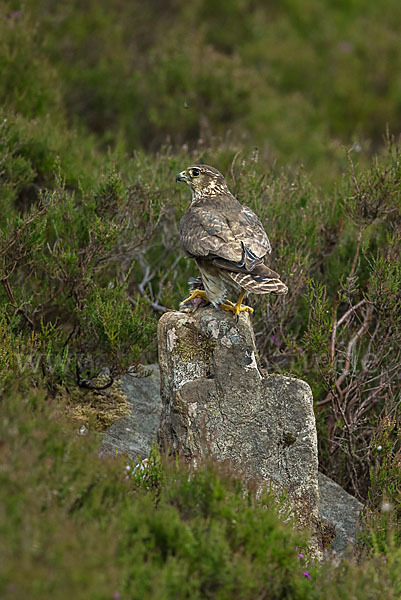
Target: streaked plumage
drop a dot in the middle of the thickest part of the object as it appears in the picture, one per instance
(226, 239)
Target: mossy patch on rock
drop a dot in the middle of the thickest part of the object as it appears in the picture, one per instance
(194, 344)
(97, 408)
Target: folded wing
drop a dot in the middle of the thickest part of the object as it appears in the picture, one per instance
(232, 237)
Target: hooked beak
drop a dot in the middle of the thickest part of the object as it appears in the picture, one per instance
(181, 176)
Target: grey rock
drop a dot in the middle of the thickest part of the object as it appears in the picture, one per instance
(216, 400)
(134, 434)
(342, 510)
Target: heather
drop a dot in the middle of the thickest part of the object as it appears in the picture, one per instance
(101, 105)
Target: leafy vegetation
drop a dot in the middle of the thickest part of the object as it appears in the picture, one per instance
(73, 524)
(101, 105)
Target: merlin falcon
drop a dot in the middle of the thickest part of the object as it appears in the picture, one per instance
(227, 241)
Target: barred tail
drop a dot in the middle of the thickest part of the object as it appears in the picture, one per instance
(259, 284)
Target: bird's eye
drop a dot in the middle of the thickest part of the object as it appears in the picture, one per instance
(195, 172)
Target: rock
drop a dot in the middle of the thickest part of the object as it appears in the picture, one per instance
(134, 434)
(342, 510)
(216, 400)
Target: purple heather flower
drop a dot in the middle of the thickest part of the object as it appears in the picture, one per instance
(306, 574)
(275, 340)
(300, 555)
(116, 596)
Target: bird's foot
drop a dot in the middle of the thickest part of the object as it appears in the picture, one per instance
(227, 305)
(195, 294)
(236, 308)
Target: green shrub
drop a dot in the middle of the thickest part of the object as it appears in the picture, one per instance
(76, 525)
(73, 524)
(297, 82)
(70, 301)
(57, 521)
(208, 539)
(29, 84)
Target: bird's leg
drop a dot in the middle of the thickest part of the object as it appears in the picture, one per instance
(196, 294)
(237, 308)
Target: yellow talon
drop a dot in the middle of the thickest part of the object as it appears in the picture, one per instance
(196, 294)
(228, 305)
(237, 308)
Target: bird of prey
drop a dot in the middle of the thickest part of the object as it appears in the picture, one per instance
(227, 241)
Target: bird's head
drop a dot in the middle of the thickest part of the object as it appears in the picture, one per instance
(203, 181)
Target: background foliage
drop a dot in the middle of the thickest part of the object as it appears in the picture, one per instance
(297, 102)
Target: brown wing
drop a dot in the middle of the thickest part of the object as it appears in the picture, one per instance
(256, 237)
(223, 230)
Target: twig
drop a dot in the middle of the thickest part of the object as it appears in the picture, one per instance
(234, 160)
(18, 310)
(352, 309)
(147, 278)
(8, 291)
(357, 337)
(21, 229)
(154, 305)
(334, 331)
(358, 245)
(87, 384)
(348, 352)
(340, 321)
